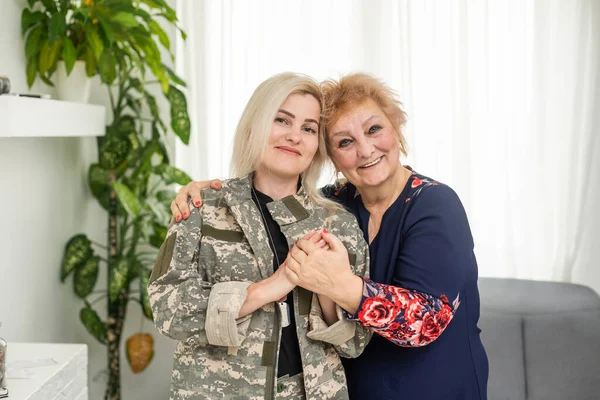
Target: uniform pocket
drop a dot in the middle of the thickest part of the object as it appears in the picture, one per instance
(227, 256)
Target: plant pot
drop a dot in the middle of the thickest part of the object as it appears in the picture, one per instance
(75, 87)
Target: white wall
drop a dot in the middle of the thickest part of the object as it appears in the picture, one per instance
(44, 200)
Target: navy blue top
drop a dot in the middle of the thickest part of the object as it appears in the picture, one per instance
(424, 245)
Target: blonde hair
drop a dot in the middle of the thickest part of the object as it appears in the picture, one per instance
(354, 89)
(254, 127)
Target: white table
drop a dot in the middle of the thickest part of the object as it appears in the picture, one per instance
(65, 380)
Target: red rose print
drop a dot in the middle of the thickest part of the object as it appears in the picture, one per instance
(378, 312)
(444, 298)
(401, 295)
(444, 316)
(413, 312)
(430, 328)
(394, 326)
(416, 182)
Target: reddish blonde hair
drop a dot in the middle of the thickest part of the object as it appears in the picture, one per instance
(353, 90)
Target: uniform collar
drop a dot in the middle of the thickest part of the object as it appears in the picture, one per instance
(287, 210)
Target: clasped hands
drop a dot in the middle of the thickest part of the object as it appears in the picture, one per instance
(318, 262)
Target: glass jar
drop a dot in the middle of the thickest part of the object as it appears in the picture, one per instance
(2, 364)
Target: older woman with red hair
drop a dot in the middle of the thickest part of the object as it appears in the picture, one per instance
(422, 297)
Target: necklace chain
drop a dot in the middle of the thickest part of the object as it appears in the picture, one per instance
(271, 241)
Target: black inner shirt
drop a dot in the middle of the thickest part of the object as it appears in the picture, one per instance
(290, 361)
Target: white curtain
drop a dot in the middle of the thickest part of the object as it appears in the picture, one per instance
(502, 98)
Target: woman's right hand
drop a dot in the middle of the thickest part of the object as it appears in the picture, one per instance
(180, 207)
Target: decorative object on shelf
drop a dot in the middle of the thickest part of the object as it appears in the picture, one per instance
(3, 388)
(133, 171)
(4, 85)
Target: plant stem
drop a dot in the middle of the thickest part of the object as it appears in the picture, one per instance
(112, 104)
(103, 247)
(98, 299)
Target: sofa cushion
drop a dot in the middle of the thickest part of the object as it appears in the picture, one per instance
(524, 297)
(562, 355)
(502, 336)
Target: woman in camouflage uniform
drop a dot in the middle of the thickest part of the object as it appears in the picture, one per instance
(219, 285)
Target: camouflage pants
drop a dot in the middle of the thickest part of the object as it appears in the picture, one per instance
(291, 387)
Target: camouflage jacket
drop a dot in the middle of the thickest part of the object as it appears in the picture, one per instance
(199, 284)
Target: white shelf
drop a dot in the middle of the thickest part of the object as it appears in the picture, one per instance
(64, 380)
(32, 117)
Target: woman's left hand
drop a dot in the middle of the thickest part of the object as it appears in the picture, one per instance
(317, 269)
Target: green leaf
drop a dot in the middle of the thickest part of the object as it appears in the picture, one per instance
(166, 197)
(183, 34)
(180, 120)
(94, 40)
(176, 79)
(31, 2)
(46, 80)
(134, 105)
(160, 233)
(86, 276)
(151, 3)
(140, 12)
(29, 19)
(50, 6)
(117, 278)
(90, 62)
(135, 142)
(113, 150)
(160, 74)
(145, 300)
(133, 270)
(107, 30)
(68, 55)
(57, 27)
(77, 250)
(124, 19)
(32, 64)
(163, 152)
(49, 56)
(168, 12)
(33, 41)
(158, 31)
(108, 67)
(125, 125)
(172, 175)
(92, 322)
(127, 198)
(99, 181)
(137, 84)
(151, 100)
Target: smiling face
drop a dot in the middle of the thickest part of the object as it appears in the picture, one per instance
(363, 145)
(294, 137)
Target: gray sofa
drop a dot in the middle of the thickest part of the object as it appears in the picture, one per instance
(542, 339)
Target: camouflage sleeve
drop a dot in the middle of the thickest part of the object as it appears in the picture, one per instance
(184, 302)
(336, 334)
(348, 338)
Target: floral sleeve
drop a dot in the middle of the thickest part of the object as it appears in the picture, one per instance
(405, 317)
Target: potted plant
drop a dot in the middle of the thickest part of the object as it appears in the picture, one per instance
(56, 43)
(120, 41)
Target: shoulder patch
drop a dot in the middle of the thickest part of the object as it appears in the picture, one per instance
(222, 234)
(164, 258)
